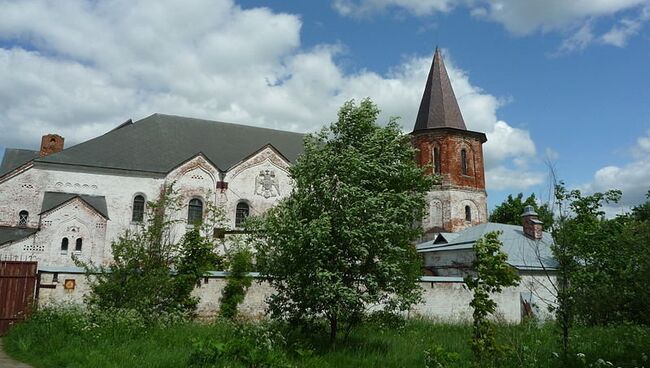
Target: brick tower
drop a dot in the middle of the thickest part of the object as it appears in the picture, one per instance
(453, 152)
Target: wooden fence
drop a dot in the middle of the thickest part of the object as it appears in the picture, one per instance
(17, 291)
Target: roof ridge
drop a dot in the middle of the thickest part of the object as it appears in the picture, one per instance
(220, 122)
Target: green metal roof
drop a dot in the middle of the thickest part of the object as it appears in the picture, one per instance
(52, 200)
(15, 158)
(159, 143)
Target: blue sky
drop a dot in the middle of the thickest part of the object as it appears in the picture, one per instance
(566, 80)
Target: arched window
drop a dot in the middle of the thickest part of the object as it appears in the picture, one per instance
(138, 209)
(78, 245)
(23, 216)
(195, 211)
(463, 161)
(468, 213)
(64, 245)
(436, 160)
(241, 213)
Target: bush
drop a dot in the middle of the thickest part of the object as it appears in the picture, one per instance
(248, 345)
(386, 319)
(438, 357)
(151, 273)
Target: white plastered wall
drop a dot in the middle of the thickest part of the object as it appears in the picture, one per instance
(261, 181)
(195, 178)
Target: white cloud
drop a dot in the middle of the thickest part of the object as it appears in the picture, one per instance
(502, 178)
(579, 40)
(626, 28)
(632, 178)
(573, 19)
(527, 16)
(117, 60)
(357, 8)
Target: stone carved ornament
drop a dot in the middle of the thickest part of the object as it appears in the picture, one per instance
(267, 184)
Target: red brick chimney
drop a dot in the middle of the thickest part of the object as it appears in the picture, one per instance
(532, 226)
(51, 143)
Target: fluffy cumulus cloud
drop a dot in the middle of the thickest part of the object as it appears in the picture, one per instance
(114, 60)
(575, 19)
(632, 178)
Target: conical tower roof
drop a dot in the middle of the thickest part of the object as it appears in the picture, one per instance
(439, 108)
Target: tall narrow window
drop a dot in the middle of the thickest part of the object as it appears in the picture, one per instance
(195, 211)
(463, 161)
(64, 245)
(468, 213)
(241, 213)
(138, 209)
(436, 160)
(23, 217)
(78, 245)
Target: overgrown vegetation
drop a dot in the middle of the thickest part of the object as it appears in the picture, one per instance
(239, 262)
(342, 240)
(152, 273)
(490, 274)
(63, 337)
(604, 264)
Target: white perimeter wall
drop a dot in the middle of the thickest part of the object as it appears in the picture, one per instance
(444, 301)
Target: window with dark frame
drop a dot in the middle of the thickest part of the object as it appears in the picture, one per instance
(241, 213)
(194, 211)
(64, 245)
(138, 209)
(463, 161)
(23, 217)
(468, 213)
(78, 245)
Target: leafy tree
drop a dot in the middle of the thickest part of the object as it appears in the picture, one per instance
(342, 240)
(240, 262)
(642, 211)
(491, 273)
(582, 248)
(150, 271)
(509, 212)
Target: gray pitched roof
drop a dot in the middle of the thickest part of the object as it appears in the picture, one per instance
(52, 200)
(523, 252)
(159, 143)
(11, 234)
(438, 108)
(14, 158)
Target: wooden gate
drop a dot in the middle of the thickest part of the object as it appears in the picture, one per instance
(17, 289)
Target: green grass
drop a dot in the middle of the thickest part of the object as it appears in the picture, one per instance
(69, 339)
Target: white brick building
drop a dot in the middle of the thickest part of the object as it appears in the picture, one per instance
(77, 200)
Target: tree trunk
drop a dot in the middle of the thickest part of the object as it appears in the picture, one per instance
(333, 331)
